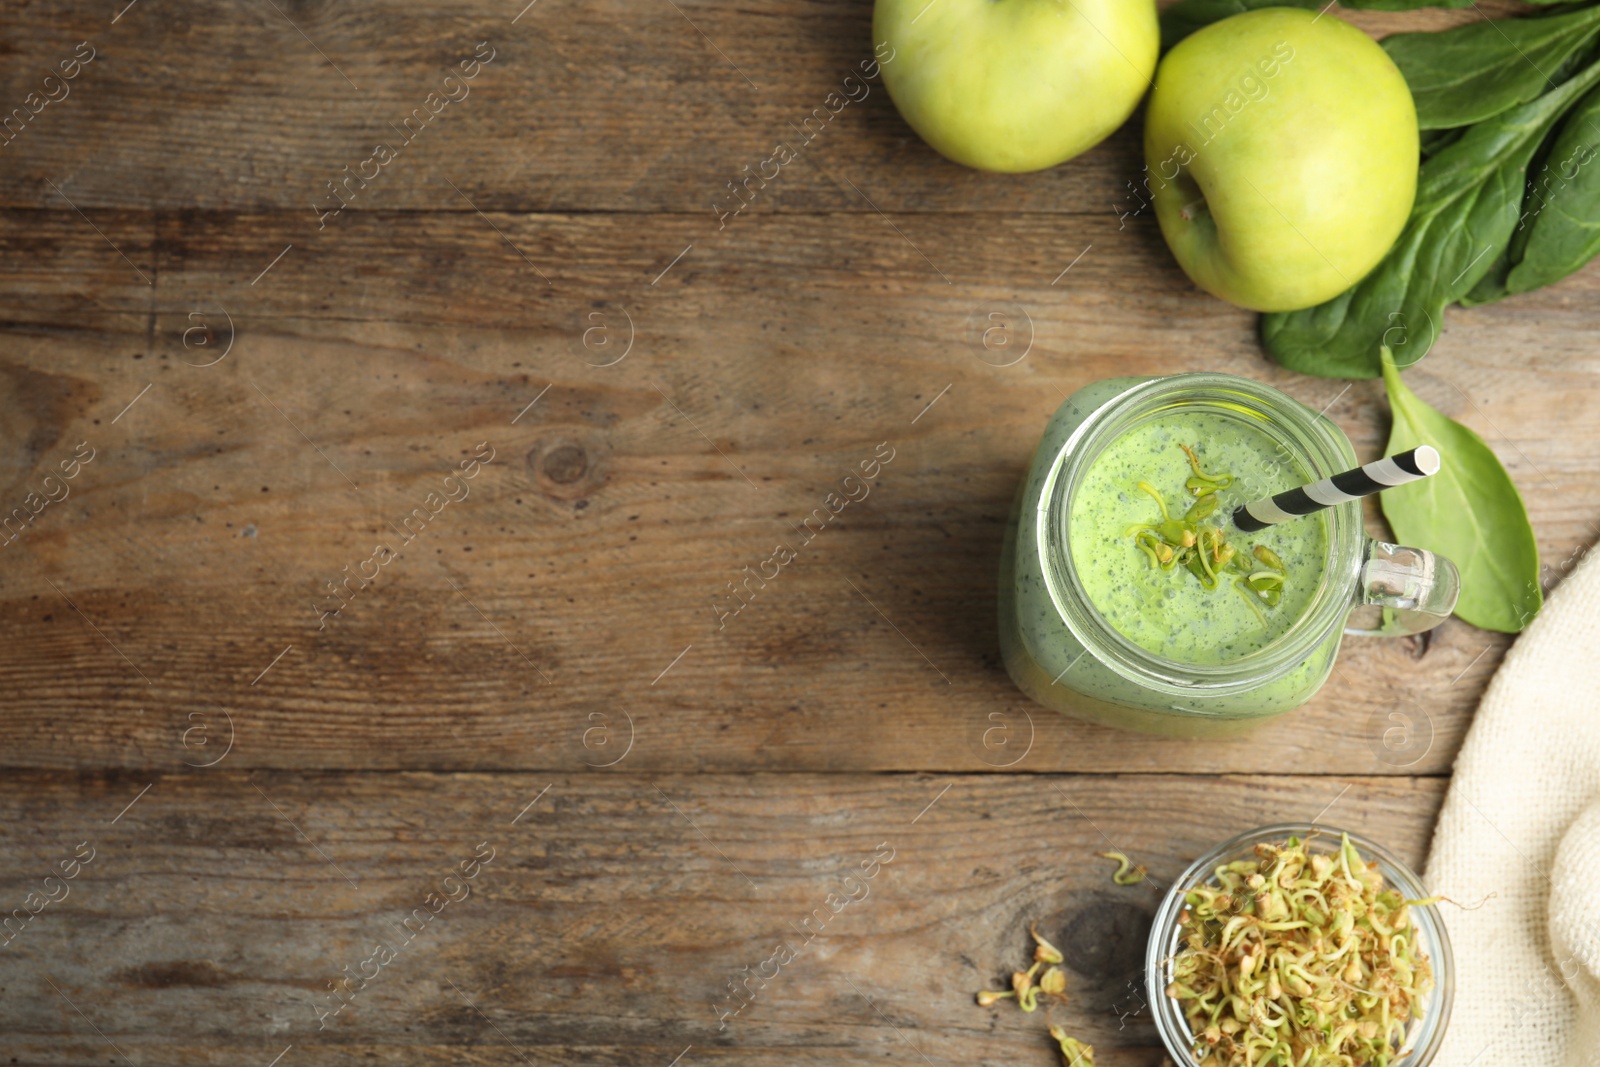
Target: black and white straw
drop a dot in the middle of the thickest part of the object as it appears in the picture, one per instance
(1375, 477)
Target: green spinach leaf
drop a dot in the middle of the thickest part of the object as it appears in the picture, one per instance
(1560, 225)
(1548, 175)
(1492, 286)
(1473, 72)
(1432, 142)
(1469, 196)
(1469, 512)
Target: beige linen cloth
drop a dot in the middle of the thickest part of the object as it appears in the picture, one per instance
(1521, 821)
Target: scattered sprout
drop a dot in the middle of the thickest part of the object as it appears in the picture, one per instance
(1074, 1053)
(1052, 983)
(1043, 951)
(1126, 873)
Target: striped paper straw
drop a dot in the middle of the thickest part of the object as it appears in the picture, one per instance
(1375, 477)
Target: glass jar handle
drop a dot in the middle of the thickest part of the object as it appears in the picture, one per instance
(1406, 591)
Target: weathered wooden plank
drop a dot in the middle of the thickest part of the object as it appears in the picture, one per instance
(592, 551)
(611, 914)
(585, 106)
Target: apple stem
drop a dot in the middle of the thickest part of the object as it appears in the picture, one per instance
(1189, 212)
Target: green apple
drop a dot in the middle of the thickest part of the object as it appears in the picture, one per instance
(1016, 85)
(1281, 155)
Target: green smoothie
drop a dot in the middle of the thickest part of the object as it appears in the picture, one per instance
(1194, 661)
(1169, 610)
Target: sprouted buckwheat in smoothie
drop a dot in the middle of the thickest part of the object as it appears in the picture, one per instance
(1158, 558)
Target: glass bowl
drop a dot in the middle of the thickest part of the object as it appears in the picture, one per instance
(1424, 1035)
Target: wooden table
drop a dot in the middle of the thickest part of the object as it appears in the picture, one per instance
(546, 685)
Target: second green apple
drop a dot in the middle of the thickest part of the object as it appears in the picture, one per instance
(1281, 156)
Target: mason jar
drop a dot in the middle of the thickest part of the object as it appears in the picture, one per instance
(1061, 651)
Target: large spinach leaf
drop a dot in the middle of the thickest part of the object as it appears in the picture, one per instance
(1492, 286)
(1469, 196)
(1472, 72)
(1537, 190)
(1470, 512)
(1548, 173)
(1561, 216)
(1432, 142)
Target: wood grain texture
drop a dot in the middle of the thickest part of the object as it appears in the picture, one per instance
(593, 550)
(270, 390)
(613, 913)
